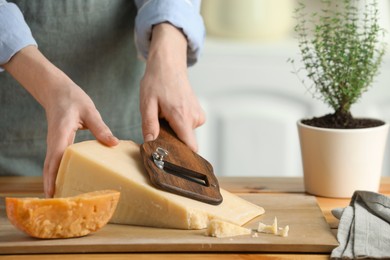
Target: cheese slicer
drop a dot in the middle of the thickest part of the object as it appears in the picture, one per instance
(174, 167)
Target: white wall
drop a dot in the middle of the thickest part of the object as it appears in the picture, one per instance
(252, 102)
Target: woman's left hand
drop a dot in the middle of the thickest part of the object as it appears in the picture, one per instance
(165, 88)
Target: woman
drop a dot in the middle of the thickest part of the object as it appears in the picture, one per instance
(76, 61)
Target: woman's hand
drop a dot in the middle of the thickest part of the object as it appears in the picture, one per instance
(68, 108)
(66, 113)
(165, 88)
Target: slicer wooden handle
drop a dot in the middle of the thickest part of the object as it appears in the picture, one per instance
(174, 167)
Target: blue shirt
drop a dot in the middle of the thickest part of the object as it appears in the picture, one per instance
(184, 14)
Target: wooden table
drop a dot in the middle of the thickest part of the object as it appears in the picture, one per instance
(32, 186)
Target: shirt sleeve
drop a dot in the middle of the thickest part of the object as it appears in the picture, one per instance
(14, 32)
(183, 14)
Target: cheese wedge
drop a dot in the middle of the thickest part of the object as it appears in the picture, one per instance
(89, 166)
(219, 228)
(62, 217)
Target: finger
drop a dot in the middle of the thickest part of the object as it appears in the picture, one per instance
(56, 146)
(185, 132)
(201, 119)
(99, 129)
(150, 123)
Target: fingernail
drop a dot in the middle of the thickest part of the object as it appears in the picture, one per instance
(148, 137)
(194, 147)
(112, 138)
(46, 186)
(48, 194)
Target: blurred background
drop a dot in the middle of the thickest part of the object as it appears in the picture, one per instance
(252, 98)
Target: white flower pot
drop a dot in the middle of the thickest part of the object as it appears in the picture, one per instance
(336, 162)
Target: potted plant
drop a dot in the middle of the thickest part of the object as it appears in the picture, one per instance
(341, 49)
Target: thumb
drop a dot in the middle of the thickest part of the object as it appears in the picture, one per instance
(57, 141)
(100, 130)
(150, 123)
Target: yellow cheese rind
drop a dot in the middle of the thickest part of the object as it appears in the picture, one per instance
(62, 217)
(219, 228)
(90, 165)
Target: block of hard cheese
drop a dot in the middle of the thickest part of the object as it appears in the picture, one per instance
(89, 166)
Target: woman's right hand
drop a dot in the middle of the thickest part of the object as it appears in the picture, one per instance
(68, 108)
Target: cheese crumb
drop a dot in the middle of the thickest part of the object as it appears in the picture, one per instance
(284, 232)
(273, 229)
(219, 228)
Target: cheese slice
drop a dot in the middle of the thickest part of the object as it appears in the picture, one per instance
(62, 217)
(89, 166)
(219, 228)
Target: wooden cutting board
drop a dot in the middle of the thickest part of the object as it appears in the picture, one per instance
(309, 233)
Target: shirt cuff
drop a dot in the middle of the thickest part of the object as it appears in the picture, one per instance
(183, 14)
(15, 33)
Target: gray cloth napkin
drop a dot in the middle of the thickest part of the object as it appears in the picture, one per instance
(364, 228)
